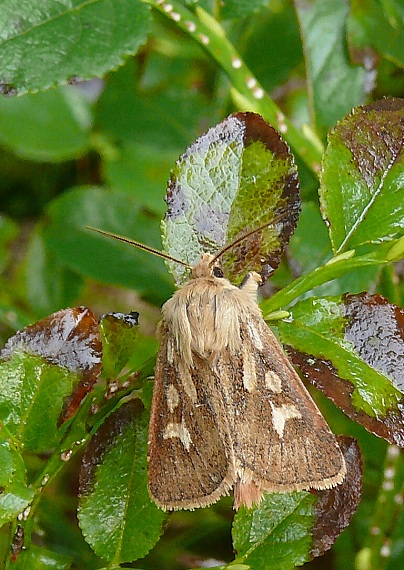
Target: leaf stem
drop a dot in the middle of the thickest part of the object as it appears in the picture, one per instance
(387, 510)
(319, 276)
(211, 36)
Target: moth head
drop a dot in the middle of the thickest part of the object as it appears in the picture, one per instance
(207, 266)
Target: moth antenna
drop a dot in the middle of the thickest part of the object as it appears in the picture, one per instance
(140, 246)
(245, 236)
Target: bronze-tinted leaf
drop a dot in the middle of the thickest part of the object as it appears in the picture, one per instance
(335, 507)
(70, 339)
(375, 327)
(324, 377)
(359, 362)
(116, 515)
(111, 429)
(361, 191)
(238, 176)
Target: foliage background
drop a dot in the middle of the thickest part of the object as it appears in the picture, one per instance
(99, 152)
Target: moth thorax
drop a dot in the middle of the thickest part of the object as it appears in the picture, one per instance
(204, 267)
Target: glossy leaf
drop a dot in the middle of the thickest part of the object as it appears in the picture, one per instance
(362, 183)
(310, 248)
(15, 496)
(289, 529)
(46, 371)
(105, 259)
(331, 76)
(91, 38)
(277, 533)
(351, 348)
(115, 506)
(336, 268)
(32, 395)
(119, 339)
(60, 133)
(236, 177)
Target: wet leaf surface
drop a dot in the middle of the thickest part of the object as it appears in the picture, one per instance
(15, 495)
(362, 189)
(375, 327)
(236, 177)
(352, 349)
(88, 44)
(277, 534)
(48, 366)
(115, 506)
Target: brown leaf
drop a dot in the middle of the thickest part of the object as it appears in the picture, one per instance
(335, 507)
(68, 338)
(113, 426)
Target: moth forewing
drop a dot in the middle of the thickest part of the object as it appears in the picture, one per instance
(229, 410)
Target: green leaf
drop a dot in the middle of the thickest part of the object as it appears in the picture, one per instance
(32, 394)
(310, 244)
(274, 49)
(378, 24)
(166, 120)
(331, 76)
(13, 317)
(119, 339)
(47, 127)
(66, 40)
(362, 181)
(310, 247)
(240, 8)
(15, 496)
(48, 368)
(351, 348)
(39, 558)
(277, 534)
(107, 260)
(115, 506)
(235, 178)
(341, 265)
(49, 285)
(142, 172)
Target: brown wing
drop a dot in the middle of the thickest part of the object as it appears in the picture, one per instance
(281, 441)
(190, 457)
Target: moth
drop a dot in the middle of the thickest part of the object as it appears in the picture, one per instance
(229, 411)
